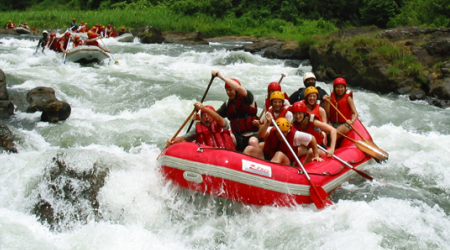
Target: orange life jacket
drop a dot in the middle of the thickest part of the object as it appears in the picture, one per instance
(273, 144)
(343, 106)
(54, 44)
(282, 114)
(214, 136)
(315, 110)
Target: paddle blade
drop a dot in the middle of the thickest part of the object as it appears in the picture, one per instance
(33, 29)
(372, 151)
(373, 145)
(319, 197)
(116, 62)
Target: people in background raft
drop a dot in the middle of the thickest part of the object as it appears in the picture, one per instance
(212, 130)
(73, 24)
(77, 41)
(307, 122)
(309, 80)
(92, 40)
(10, 25)
(64, 42)
(25, 25)
(113, 32)
(279, 108)
(342, 99)
(274, 148)
(43, 42)
(240, 109)
(122, 31)
(82, 28)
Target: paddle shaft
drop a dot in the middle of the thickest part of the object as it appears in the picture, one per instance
(348, 165)
(203, 99)
(343, 116)
(323, 201)
(65, 54)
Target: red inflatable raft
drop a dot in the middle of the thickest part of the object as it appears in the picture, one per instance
(242, 178)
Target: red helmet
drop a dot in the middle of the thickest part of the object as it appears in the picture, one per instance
(274, 86)
(208, 107)
(52, 34)
(93, 35)
(234, 79)
(299, 107)
(67, 34)
(339, 80)
(76, 37)
(109, 25)
(122, 28)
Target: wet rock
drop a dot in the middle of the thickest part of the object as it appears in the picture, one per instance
(149, 34)
(44, 99)
(288, 50)
(6, 106)
(183, 37)
(256, 46)
(68, 196)
(7, 139)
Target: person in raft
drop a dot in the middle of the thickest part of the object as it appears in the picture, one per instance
(309, 80)
(342, 99)
(212, 130)
(241, 110)
(279, 108)
(10, 25)
(308, 122)
(274, 86)
(64, 42)
(77, 41)
(274, 148)
(92, 40)
(53, 42)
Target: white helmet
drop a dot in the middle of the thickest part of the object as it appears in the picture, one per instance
(44, 32)
(308, 75)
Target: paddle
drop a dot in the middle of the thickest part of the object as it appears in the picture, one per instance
(203, 98)
(115, 62)
(65, 54)
(371, 143)
(348, 165)
(176, 134)
(279, 81)
(368, 149)
(318, 194)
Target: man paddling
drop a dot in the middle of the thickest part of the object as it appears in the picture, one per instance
(43, 41)
(212, 130)
(92, 40)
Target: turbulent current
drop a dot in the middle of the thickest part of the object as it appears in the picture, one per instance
(123, 114)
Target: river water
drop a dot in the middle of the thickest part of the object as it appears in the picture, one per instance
(123, 114)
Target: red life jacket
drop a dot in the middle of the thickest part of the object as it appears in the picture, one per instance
(54, 45)
(315, 111)
(214, 136)
(66, 43)
(282, 114)
(342, 105)
(273, 144)
(241, 115)
(94, 43)
(113, 34)
(310, 129)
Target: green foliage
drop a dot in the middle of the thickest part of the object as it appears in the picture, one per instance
(423, 13)
(378, 12)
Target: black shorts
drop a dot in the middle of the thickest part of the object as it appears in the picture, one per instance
(242, 141)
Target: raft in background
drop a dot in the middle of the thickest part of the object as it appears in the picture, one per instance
(85, 54)
(242, 178)
(22, 30)
(125, 38)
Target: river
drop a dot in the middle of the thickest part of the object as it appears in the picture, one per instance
(123, 114)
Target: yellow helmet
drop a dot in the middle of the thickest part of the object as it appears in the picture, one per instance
(310, 90)
(283, 124)
(277, 95)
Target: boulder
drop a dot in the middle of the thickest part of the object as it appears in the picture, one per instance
(44, 99)
(183, 37)
(149, 34)
(7, 139)
(6, 106)
(256, 46)
(288, 50)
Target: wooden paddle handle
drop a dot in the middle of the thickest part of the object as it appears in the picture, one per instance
(343, 116)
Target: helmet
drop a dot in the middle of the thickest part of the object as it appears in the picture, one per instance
(86, 24)
(25, 23)
(89, 32)
(283, 124)
(73, 19)
(93, 35)
(277, 95)
(208, 107)
(67, 34)
(308, 75)
(82, 22)
(122, 28)
(310, 90)
(339, 80)
(109, 25)
(52, 34)
(103, 26)
(234, 79)
(76, 37)
(44, 32)
(299, 107)
(274, 86)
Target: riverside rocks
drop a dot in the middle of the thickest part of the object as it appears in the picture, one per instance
(44, 99)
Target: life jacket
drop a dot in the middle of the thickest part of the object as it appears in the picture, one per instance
(273, 144)
(77, 43)
(83, 29)
(66, 43)
(54, 44)
(310, 129)
(241, 115)
(113, 34)
(10, 26)
(282, 114)
(315, 110)
(214, 136)
(268, 104)
(343, 107)
(94, 43)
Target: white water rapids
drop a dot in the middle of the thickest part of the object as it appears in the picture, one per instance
(123, 114)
